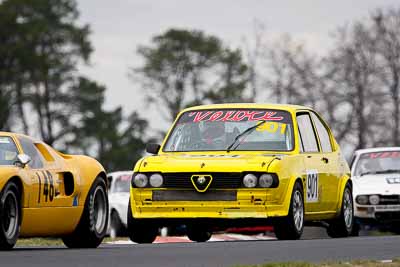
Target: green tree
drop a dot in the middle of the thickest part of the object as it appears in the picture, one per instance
(46, 44)
(233, 79)
(117, 142)
(185, 67)
(5, 109)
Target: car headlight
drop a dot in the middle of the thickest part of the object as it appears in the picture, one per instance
(140, 180)
(266, 180)
(156, 180)
(362, 200)
(250, 180)
(374, 199)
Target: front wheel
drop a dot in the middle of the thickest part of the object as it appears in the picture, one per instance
(198, 233)
(117, 228)
(291, 226)
(343, 225)
(92, 227)
(10, 216)
(141, 232)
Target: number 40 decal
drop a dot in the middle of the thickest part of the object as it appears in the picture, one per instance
(312, 186)
(48, 186)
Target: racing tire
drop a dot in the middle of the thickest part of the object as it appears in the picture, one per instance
(92, 226)
(141, 232)
(343, 225)
(356, 230)
(395, 229)
(198, 233)
(10, 216)
(291, 226)
(117, 228)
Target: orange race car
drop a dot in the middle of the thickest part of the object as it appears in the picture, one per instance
(47, 193)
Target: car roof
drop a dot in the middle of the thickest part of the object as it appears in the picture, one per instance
(11, 134)
(287, 107)
(376, 149)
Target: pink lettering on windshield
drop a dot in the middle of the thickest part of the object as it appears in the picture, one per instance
(239, 115)
(386, 154)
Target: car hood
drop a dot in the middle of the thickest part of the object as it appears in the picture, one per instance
(385, 184)
(223, 162)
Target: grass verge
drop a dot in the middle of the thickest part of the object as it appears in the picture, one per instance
(363, 263)
(49, 241)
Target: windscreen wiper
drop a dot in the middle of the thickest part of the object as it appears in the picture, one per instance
(388, 171)
(365, 173)
(247, 131)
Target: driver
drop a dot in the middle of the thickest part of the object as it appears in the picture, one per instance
(371, 165)
(213, 132)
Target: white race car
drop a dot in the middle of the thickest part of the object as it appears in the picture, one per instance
(376, 188)
(118, 198)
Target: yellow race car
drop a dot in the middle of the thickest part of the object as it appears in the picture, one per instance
(231, 165)
(47, 193)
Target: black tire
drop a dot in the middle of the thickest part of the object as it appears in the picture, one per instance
(10, 216)
(395, 228)
(343, 225)
(117, 228)
(291, 226)
(92, 226)
(198, 233)
(140, 231)
(356, 230)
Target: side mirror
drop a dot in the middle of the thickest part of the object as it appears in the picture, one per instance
(152, 148)
(23, 160)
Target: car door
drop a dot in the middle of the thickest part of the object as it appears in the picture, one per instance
(45, 177)
(330, 159)
(314, 171)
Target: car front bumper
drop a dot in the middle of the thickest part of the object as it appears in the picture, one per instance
(377, 213)
(217, 204)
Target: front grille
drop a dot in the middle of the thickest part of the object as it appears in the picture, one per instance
(190, 195)
(388, 216)
(389, 199)
(220, 180)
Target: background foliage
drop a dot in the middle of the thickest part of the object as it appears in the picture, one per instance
(355, 85)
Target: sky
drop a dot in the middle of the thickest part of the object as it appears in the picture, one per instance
(119, 26)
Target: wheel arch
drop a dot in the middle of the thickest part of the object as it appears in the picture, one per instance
(345, 181)
(103, 176)
(89, 170)
(295, 179)
(18, 181)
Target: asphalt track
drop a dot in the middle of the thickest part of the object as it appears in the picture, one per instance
(208, 254)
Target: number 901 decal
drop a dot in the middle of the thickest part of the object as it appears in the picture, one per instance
(312, 186)
(271, 127)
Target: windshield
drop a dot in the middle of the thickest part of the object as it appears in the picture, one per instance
(378, 162)
(122, 183)
(216, 130)
(8, 151)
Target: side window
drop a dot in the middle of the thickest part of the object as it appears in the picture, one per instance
(307, 134)
(31, 150)
(323, 134)
(8, 151)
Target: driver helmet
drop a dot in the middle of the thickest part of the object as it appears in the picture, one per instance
(212, 129)
(372, 165)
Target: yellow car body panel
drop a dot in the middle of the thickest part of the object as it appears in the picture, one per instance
(289, 166)
(68, 179)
